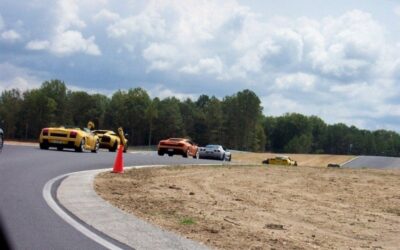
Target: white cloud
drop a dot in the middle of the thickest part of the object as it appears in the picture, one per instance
(277, 104)
(19, 78)
(160, 56)
(70, 42)
(106, 15)
(68, 15)
(149, 24)
(67, 38)
(205, 65)
(353, 43)
(2, 25)
(397, 10)
(297, 81)
(185, 25)
(37, 45)
(10, 36)
(347, 46)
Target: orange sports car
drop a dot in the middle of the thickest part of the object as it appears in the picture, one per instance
(178, 146)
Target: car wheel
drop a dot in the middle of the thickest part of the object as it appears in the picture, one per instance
(160, 153)
(230, 158)
(59, 148)
(114, 147)
(185, 155)
(96, 147)
(197, 155)
(170, 155)
(81, 146)
(43, 146)
(223, 157)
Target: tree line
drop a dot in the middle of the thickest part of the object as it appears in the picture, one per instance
(236, 121)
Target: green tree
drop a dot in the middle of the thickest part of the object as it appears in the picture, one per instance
(38, 111)
(189, 113)
(83, 107)
(151, 116)
(269, 124)
(242, 115)
(299, 144)
(10, 105)
(288, 127)
(169, 122)
(116, 113)
(127, 109)
(318, 132)
(136, 104)
(337, 140)
(57, 91)
(214, 120)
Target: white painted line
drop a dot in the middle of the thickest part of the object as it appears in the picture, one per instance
(141, 152)
(57, 209)
(355, 158)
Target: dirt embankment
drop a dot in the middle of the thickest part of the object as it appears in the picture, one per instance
(260, 207)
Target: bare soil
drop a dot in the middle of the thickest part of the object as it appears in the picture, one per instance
(264, 207)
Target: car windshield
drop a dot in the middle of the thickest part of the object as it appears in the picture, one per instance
(70, 127)
(100, 132)
(176, 139)
(282, 157)
(86, 130)
(212, 146)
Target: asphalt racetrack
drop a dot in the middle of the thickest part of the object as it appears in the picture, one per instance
(24, 170)
(379, 162)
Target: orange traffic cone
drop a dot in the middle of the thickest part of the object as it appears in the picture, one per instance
(119, 161)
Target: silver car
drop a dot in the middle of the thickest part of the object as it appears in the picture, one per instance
(214, 152)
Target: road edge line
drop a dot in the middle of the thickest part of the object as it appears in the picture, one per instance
(67, 218)
(347, 162)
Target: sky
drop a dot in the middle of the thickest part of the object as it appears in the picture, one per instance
(339, 60)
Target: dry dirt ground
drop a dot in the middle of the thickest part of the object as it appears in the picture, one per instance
(264, 207)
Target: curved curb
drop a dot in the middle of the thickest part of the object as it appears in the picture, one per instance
(67, 218)
(77, 195)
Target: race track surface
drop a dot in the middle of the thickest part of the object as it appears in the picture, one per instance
(379, 162)
(24, 170)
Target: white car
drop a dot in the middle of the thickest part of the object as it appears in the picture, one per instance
(214, 152)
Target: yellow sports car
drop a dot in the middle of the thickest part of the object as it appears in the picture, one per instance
(80, 139)
(281, 160)
(110, 140)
